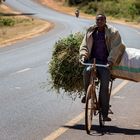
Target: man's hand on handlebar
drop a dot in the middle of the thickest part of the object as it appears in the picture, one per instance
(110, 64)
(84, 59)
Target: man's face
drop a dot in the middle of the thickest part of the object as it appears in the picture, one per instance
(100, 21)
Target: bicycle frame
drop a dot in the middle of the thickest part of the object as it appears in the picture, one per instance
(92, 101)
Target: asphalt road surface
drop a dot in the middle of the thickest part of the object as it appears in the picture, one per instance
(31, 110)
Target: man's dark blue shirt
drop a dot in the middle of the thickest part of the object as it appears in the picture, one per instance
(99, 49)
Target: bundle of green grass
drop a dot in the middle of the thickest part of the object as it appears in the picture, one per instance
(65, 69)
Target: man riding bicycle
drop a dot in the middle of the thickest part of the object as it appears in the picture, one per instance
(103, 43)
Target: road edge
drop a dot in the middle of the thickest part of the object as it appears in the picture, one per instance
(57, 6)
(35, 32)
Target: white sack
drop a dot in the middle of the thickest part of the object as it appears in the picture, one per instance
(129, 67)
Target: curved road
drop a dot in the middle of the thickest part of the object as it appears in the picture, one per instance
(30, 110)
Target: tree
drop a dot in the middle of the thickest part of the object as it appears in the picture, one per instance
(2, 1)
(132, 11)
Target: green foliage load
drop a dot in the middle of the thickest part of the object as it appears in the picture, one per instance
(65, 69)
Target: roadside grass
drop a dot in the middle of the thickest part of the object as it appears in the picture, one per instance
(21, 27)
(13, 24)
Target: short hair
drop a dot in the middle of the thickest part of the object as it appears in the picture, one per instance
(102, 14)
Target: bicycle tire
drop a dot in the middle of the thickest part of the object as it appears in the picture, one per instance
(101, 121)
(90, 108)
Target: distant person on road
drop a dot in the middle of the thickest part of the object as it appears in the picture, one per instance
(103, 43)
(77, 13)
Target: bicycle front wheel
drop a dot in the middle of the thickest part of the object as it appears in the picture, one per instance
(101, 121)
(90, 108)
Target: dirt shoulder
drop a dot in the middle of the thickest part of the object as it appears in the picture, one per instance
(58, 6)
(27, 27)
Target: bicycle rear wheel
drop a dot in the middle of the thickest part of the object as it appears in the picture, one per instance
(90, 108)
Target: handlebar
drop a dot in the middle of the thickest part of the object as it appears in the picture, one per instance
(92, 64)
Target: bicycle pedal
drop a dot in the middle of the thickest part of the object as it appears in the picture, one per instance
(110, 111)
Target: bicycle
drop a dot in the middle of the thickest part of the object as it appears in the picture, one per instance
(92, 106)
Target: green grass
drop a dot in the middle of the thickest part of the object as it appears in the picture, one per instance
(7, 21)
(12, 21)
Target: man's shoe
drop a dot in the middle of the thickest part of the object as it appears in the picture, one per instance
(107, 119)
(83, 99)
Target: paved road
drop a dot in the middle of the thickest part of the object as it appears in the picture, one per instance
(30, 110)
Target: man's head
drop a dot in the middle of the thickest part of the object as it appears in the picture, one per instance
(100, 20)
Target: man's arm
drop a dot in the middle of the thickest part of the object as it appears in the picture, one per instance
(83, 51)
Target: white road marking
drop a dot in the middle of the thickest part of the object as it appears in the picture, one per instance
(119, 97)
(119, 87)
(123, 117)
(137, 31)
(136, 125)
(75, 120)
(23, 70)
(17, 87)
(62, 130)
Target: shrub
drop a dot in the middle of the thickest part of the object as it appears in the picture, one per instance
(7, 22)
(132, 11)
(128, 9)
(137, 5)
(109, 7)
(90, 8)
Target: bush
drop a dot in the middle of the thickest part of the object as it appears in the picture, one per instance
(132, 11)
(128, 9)
(65, 69)
(137, 5)
(7, 22)
(89, 7)
(109, 7)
